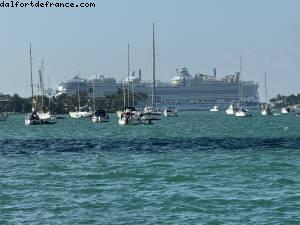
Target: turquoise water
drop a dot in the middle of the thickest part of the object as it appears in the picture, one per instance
(198, 168)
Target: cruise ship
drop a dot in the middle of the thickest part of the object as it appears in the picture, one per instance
(184, 91)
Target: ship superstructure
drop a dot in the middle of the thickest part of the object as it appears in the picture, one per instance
(186, 92)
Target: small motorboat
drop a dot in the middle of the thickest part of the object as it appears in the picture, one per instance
(215, 109)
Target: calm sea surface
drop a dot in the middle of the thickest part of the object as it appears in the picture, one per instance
(197, 168)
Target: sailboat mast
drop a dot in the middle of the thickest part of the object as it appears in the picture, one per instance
(124, 93)
(128, 74)
(132, 90)
(153, 56)
(266, 88)
(49, 95)
(42, 82)
(94, 95)
(241, 90)
(78, 93)
(31, 77)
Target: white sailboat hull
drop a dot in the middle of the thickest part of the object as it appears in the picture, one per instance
(230, 111)
(151, 116)
(44, 119)
(78, 115)
(243, 113)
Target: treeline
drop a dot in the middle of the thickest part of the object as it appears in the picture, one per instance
(282, 100)
(62, 104)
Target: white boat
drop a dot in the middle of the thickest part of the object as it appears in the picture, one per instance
(267, 110)
(231, 110)
(215, 109)
(3, 116)
(130, 116)
(150, 113)
(44, 114)
(34, 117)
(285, 110)
(81, 112)
(242, 112)
(170, 111)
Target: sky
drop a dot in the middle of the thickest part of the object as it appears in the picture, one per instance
(197, 34)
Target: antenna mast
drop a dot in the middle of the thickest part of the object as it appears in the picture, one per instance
(78, 92)
(266, 88)
(128, 74)
(241, 96)
(31, 80)
(153, 85)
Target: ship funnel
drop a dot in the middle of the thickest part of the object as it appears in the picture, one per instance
(215, 72)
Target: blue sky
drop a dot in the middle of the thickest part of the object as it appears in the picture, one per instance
(198, 34)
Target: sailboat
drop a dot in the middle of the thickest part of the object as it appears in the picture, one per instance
(130, 116)
(98, 115)
(81, 112)
(242, 112)
(267, 111)
(231, 110)
(33, 118)
(44, 114)
(150, 113)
